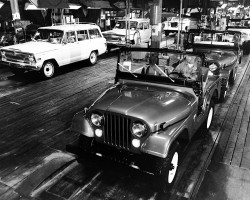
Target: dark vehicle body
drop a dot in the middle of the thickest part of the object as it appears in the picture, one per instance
(222, 47)
(148, 116)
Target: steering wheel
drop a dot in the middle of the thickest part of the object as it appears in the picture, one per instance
(175, 75)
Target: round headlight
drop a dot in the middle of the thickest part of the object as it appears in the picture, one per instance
(122, 39)
(31, 58)
(213, 67)
(139, 129)
(97, 119)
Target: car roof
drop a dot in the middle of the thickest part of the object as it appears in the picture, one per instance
(70, 27)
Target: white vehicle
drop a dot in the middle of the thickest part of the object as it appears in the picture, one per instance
(139, 31)
(56, 46)
(171, 25)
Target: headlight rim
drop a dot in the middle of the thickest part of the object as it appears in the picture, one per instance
(101, 123)
(145, 130)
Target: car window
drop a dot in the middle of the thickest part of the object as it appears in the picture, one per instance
(48, 35)
(122, 25)
(82, 35)
(94, 33)
(146, 25)
(70, 37)
(140, 26)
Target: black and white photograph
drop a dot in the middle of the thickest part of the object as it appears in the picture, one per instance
(124, 100)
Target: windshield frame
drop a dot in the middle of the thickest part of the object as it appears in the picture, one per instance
(122, 24)
(130, 75)
(53, 36)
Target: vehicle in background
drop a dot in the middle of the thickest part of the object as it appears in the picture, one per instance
(128, 32)
(242, 25)
(171, 25)
(220, 47)
(55, 46)
(147, 118)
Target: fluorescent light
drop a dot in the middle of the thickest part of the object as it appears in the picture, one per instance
(30, 6)
(1, 4)
(74, 6)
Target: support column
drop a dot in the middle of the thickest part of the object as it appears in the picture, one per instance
(155, 21)
(15, 9)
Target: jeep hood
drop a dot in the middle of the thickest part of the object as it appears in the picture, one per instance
(118, 32)
(33, 47)
(223, 57)
(151, 105)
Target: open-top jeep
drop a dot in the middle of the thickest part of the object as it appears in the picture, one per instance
(149, 116)
(221, 47)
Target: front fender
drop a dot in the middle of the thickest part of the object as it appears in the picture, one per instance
(81, 125)
(159, 143)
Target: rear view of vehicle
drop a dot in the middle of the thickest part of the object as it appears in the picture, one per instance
(172, 25)
(128, 32)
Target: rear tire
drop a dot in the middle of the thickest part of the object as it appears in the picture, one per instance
(232, 78)
(207, 123)
(92, 58)
(167, 168)
(223, 94)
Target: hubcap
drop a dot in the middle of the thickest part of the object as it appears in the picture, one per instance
(173, 168)
(93, 58)
(210, 117)
(48, 70)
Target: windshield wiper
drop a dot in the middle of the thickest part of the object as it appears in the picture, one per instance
(127, 70)
(162, 72)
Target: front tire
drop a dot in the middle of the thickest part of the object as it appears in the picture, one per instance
(167, 168)
(48, 69)
(93, 58)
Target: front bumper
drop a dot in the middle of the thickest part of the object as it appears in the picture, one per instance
(19, 65)
(104, 153)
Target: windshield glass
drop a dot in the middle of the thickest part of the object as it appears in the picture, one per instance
(48, 35)
(122, 25)
(162, 64)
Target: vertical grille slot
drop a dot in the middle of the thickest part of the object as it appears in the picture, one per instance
(117, 131)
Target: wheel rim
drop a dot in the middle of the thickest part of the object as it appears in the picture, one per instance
(93, 57)
(174, 166)
(210, 117)
(48, 70)
(225, 94)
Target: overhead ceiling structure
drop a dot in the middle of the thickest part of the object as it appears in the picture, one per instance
(50, 4)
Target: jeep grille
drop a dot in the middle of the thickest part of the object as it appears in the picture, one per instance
(117, 131)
